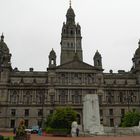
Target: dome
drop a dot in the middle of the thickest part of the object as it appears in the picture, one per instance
(137, 52)
(3, 46)
(70, 12)
(52, 53)
(97, 54)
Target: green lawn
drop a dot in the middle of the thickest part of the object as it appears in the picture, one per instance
(11, 138)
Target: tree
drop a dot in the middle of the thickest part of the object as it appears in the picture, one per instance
(131, 119)
(61, 118)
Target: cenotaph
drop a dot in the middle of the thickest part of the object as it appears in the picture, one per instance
(91, 116)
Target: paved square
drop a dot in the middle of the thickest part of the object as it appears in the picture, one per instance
(36, 137)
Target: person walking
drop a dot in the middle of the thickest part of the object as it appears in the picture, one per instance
(14, 130)
(77, 131)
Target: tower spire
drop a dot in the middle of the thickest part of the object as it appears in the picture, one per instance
(2, 37)
(70, 3)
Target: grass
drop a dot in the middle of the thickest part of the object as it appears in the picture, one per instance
(11, 137)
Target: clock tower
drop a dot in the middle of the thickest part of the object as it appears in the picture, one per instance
(70, 38)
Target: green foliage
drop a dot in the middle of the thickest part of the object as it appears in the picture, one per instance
(8, 138)
(131, 119)
(61, 118)
(49, 120)
(49, 130)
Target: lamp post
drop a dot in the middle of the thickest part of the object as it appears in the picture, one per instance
(42, 113)
(128, 100)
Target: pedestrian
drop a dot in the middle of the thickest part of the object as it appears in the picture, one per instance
(77, 131)
(40, 132)
(14, 130)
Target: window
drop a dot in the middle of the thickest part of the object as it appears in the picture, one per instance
(26, 112)
(122, 112)
(71, 32)
(110, 111)
(13, 112)
(76, 99)
(121, 97)
(40, 112)
(52, 98)
(39, 123)
(52, 80)
(51, 111)
(26, 123)
(71, 44)
(110, 98)
(134, 109)
(101, 112)
(27, 98)
(63, 99)
(111, 122)
(68, 44)
(12, 125)
(78, 119)
(52, 62)
(78, 31)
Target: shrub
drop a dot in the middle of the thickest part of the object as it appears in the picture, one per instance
(130, 119)
(61, 119)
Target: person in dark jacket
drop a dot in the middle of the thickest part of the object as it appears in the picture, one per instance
(77, 131)
(14, 130)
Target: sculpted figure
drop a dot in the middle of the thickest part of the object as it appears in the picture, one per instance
(74, 126)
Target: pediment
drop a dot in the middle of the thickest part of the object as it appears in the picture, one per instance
(76, 64)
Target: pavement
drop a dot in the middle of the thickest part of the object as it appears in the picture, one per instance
(36, 137)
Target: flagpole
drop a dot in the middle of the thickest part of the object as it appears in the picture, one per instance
(75, 41)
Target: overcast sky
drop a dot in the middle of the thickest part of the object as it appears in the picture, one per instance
(33, 27)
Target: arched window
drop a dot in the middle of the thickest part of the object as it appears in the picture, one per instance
(78, 119)
(52, 62)
(14, 98)
(71, 32)
(71, 44)
(120, 97)
(98, 63)
(78, 31)
(27, 98)
(63, 97)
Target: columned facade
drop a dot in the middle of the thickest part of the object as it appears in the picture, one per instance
(33, 95)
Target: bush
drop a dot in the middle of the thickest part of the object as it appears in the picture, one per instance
(131, 119)
(1, 137)
(61, 120)
(49, 130)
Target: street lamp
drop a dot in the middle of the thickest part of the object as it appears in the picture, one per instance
(129, 100)
(43, 102)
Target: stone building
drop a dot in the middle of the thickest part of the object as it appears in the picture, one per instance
(33, 95)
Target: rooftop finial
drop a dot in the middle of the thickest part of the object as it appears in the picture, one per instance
(139, 42)
(70, 3)
(2, 37)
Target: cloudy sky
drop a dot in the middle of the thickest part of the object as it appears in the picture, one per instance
(33, 27)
